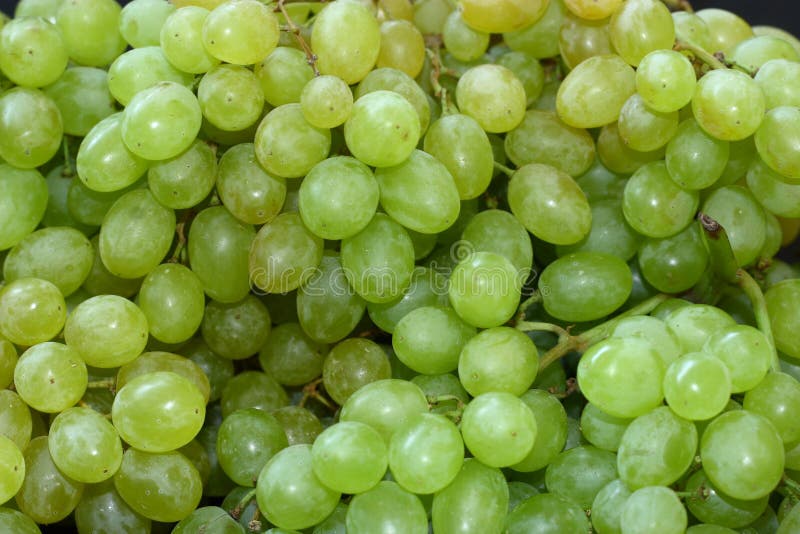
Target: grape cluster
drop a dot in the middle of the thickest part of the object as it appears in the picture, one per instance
(372, 266)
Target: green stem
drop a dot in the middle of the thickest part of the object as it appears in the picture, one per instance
(532, 326)
(68, 171)
(535, 298)
(679, 5)
(754, 293)
(108, 383)
(791, 485)
(502, 168)
(700, 53)
(236, 513)
(292, 28)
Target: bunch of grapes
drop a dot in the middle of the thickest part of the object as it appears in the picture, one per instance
(375, 266)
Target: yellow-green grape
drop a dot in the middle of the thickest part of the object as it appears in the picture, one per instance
(429, 15)
(237, 330)
(780, 80)
(386, 116)
(528, 70)
(386, 504)
(161, 121)
(728, 104)
(103, 509)
(185, 180)
(485, 289)
(397, 9)
(84, 445)
(675, 263)
(107, 331)
(781, 299)
(463, 42)
(37, 8)
(654, 507)
(540, 39)
(250, 193)
(246, 441)
(8, 361)
(643, 129)
(140, 68)
(241, 32)
(57, 213)
(181, 41)
(171, 298)
(386, 405)
(326, 101)
(352, 364)
(101, 282)
(665, 80)
(104, 163)
(694, 159)
(594, 92)
(12, 468)
(284, 254)
(32, 127)
(32, 52)
(498, 359)
(498, 429)
(549, 204)
(283, 74)
(136, 234)
(419, 193)
(752, 53)
(90, 207)
(617, 157)
(140, 21)
(742, 217)
(399, 82)
(349, 457)
(291, 356)
(776, 141)
(690, 27)
(499, 16)
(498, 231)
(299, 424)
(689, 389)
(493, 96)
(287, 145)
(31, 311)
(82, 97)
(429, 339)
(346, 39)
(23, 201)
(579, 39)
(592, 9)
(90, 29)
(639, 27)
(726, 29)
(402, 47)
(772, 190)
(229, 97)
(50, 377)
(150, 362)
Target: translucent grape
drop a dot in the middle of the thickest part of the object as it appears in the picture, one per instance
(101, 507)
(427, 288)
(579, 473)
(386, 405)
(32, 127)
(735, 208)
(250, 193)
(181, 42)
(665, 79)
(728, 104)
(346, 40)
(644, 129)
(781, 299)
(493, 96)
(719, 508)
(464, 43)
(229, 97)
(540, 39)
(208, 517)
(676, 263)
(288, 146)
(90, 29)
(640, 27)
(140, 21)
(499, 429)
(778, 79)
(485, 289)
(252, 389)
(349, 457)
(607, 507)
(578, 39)
(104, 163)
(241, 32)
(776, 138)
(326, 101)
(617, 157)
(772, 190)
(282, 76)
(386, 507)
(23, 200)
(32, 52)
(402, 47)
(139, 69)
(32, 310)
(498, 359)
(247, 439)
(775, 397)
(12, 467)
(695, 323)
(429, 339)
(498, 16)
(153, 361)
(299, 424)
(352, 364)
(15, 417)
(653, 507)
(236, 330)
(291, 356)
(84, 445)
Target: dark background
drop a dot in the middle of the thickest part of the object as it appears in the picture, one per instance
(782, 13)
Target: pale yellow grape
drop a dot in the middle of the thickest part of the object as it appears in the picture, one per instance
(493, 96)
(283, 74)
(90, 29)
(346, 39)
(287, 145)
(540, 39)
(580, 39)
(326, 101)
(499, 16)
(639, 27)
(50, 377)
(32, 127)
(383, 129)
(728, 104)
(139, 69)
(181, 43)
(140, 21)
(32, 52)
(241, 32)
(402, 47)
(12, 469)
(592, 9)
(32, 310)
(229, 97)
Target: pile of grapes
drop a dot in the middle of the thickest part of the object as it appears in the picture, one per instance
(382, 266)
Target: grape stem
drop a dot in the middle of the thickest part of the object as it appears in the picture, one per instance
(453, 415)
(236, 513)
(67, 171)
(310, 392)
(792, 486)
(679, 5)
(756, 296)
(700, 53)
(255, 524)
(433, 44)
(530, 326)
(295, 30)
(108, 383)
(505, 170)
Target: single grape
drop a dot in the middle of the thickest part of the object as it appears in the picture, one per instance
(386, 507)
(499, 429)
(50, 377)
(484, 289)
(247, 439)
(241, 32)
(653, 508)
(84, 445)
(346, 40)
(349, 457)
(493, 96)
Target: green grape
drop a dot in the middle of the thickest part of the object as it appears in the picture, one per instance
(578, 39)
(185, 180)
(396, 81)
(338, 197)
(23, 200)
(90, 29)
(528, 70)
(139, 69)
(163, 487)
(16, 422)
(14, 520)
(745, 352)
(651, 329)
(151, 362)
(386, 405)
(427, 288)
(676, 263)
(772, 190)
(37, 8)
(47, 495)
(172, 300)
(252, 389)
(84, 445)
(299, 424)
(543, 138)
(594, 92)
(236, 330)
(289, 494)
(104, 163)
(346, 39)
(775, 141)
(773, 237)
(90, 207)
(493, 96)
(500, 16)
(384, 115)
(136, 234)
(602, 430)
(610, 232)
(349, 457)
(379, 260)
(728, 104)
(654, 205)
(695, 323)
(539, 39)
(230, 98)
(752, 53)
(617, 157)
(694, 159)
(325, 311)
(463, 42)
(208, 519)
(419, 193)
(653, 508)
(776, 397)
(585, 286)
(32, 310)
(181, 42)
(607, 507)
(665, 80)
(60, 255)
(145, 131)
(551, 425)
(352, 364)
(718, 508)
(498, 231)
(326, 101)
(402, 46)
(386, 508)
(282, 75)
(484, 289)
(429, 339)
(101, 509)
(578, 474)
(250, 193)
(32, 127)
(217, 369)
(57, 213)
(622, 376)
(140, 21)
(290, 356)
(737, 210)
(462, 146)
(287, 145)
(498, 428)
(101, 282)
(436, 386)
(247, 439)
(640, 27)
(218, 483)
(782, 299)
(790, 522)
(12, 467)
(690, 27)
(726, 28)
(498, 359)
(241, 32)
(476, 501)
(32, 52)
(779, 78)
(748, 441)
(644, 129)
